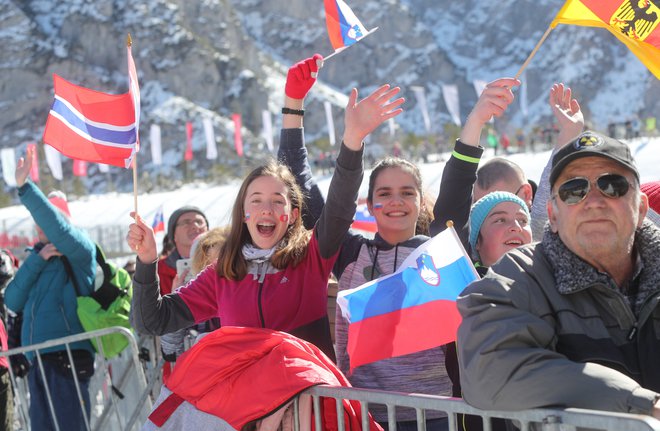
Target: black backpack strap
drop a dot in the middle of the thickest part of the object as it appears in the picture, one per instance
(107, 293)
(100, 259)
(69, 272)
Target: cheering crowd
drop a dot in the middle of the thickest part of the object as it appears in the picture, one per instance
(567, 306)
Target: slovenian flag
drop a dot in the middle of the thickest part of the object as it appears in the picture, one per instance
(411, 310)
(96, 127)
(158, 225)
(363, 220)
(344, 28)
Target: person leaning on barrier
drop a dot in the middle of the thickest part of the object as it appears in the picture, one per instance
(42, 290)
(572, 321)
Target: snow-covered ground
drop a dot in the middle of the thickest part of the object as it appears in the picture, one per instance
(112, 210)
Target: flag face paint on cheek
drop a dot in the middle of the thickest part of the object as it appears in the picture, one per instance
(378, 206)
(284, 218)
(247, 216)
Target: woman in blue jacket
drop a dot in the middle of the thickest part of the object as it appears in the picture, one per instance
(43, 291)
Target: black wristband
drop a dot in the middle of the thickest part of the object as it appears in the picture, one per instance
(300, 112)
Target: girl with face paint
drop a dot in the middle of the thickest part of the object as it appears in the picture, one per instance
(271, 272)
(395, 198)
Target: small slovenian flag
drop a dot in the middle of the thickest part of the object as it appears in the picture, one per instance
(158, 224)
(344, 28)
(96, 127)
(385, 315)
(364, 220)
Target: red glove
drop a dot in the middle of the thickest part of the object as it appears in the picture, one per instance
(302, 76)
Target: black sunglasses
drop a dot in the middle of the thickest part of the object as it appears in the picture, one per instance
(576, 189)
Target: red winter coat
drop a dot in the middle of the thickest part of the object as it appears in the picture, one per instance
(244, 374)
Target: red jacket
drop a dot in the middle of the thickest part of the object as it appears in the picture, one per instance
(261, 369)
(166, 276)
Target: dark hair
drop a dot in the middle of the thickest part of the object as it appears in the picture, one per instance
(499, 169)
(425, 214)
(290, 250)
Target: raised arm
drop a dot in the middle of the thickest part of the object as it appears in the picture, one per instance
(69, 240)
(569, 116)
(360, 119)
(292, 152)
(460, 173)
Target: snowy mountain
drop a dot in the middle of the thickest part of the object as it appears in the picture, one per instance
(211, 58)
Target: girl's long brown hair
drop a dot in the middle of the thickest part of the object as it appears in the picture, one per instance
(290, 250)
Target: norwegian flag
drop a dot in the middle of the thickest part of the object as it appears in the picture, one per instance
(96, 127)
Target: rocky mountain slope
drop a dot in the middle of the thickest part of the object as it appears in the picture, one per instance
(211, 58)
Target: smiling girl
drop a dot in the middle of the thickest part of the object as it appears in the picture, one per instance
(271, 272)
(396, 200)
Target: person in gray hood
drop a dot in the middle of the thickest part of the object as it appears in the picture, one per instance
(572, 321)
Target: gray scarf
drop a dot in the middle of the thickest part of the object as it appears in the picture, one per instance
(257, 255)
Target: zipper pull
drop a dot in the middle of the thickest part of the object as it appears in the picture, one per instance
(632, 333)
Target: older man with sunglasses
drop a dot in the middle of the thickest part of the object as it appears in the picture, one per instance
(572, 321)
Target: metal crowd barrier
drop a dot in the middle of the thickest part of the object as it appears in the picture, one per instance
(119, 394)
(525, 420)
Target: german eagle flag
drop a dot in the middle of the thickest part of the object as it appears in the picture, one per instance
(633, 22)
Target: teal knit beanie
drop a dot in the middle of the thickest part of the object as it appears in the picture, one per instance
(484, 206)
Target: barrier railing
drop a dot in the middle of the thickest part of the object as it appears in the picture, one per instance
(118, 389)
(525, 420)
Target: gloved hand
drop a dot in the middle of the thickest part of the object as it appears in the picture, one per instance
(302, 76)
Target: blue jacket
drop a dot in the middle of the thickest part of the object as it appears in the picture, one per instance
(42, 289)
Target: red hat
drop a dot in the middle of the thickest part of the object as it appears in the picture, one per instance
(652, 190)
(58, 199)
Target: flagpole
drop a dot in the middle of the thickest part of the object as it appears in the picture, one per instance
(135, 184)
(129, 43)
(536, 48)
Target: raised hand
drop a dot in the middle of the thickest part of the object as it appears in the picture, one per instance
(23, 166)
(142, 240)
(363, 117)
(494, 100)
(567, 111)
(302, 76)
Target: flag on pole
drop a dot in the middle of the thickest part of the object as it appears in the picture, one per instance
(8, 156)
(211, 148)
(385, 315)
(450, 95)
(154, 141)
(98, 127)
(188, 155)
(421, 100)
(54, 162)
(635, 23)
(267, 131)
(330, 121)
(344, 28)
(79, 168)
(158, 225)
(238, 138)
(34, 169)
